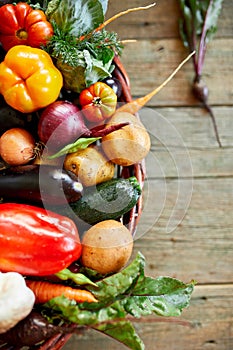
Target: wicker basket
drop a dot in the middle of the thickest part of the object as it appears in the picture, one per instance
(130, 219)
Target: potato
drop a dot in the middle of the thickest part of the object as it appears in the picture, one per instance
(128, 145)
(107, 247)
(90, 165)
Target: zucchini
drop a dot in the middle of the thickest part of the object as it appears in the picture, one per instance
(107, 200)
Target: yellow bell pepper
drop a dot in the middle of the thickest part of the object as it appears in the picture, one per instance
(28, 79)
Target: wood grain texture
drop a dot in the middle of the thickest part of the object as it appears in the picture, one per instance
(209, 326)
(185, 168)
(159, 21)
(150, 62)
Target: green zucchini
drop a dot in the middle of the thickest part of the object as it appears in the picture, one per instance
(108, 200)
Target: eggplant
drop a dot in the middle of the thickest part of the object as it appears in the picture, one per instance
(42, 184)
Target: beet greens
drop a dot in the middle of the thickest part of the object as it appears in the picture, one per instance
(197, 27)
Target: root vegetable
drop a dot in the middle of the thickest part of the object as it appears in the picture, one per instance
(90, 166)
(45, 291)
(30, 331)
(107, 247)
(134, 106)
(116, 16)
(128, 145)
(197, 27)
(17, 146)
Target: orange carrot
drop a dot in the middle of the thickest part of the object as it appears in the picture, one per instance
(135, 105)
(111, 19)
(44, 291)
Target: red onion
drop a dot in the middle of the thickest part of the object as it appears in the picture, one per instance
(61, 123)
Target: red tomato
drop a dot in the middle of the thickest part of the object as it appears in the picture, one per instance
(22, 25)
(98, 102)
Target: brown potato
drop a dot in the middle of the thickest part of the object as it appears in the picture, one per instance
(128, 145)
(107, 247)
(90, 165)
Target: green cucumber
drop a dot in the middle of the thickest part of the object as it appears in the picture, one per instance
(108, 200)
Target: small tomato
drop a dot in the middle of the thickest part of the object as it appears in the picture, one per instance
(98, 102)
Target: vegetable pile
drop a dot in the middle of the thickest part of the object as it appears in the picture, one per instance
(65, 142)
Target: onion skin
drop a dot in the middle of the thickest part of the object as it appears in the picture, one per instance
(17, 146)
(61, 123)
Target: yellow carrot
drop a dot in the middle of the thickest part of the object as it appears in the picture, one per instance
(116, 16)
(135, 105)
(134, 9)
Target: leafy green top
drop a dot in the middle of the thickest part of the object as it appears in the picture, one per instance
(122, 297)
(198, 25)
(83, 53)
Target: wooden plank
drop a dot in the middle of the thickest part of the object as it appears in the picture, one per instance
(178, 134)
(193, 125)
(175, 163)
(211, 326)
(155, 23)
(151, 23)
(200, 245)
(150, 62)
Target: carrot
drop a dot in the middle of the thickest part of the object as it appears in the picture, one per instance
(44, 291)
(111, 19)
(135, 105)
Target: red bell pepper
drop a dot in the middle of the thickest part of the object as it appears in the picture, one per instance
(35, 241)
(98, 102)
(22, 25)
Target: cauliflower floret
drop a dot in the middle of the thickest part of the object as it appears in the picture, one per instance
(16, 300)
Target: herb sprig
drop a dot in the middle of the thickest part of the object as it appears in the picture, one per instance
(69, 49)
(81, 48)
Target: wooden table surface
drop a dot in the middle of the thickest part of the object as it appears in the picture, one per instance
(186, 228)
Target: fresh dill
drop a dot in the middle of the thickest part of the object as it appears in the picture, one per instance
(69, 49)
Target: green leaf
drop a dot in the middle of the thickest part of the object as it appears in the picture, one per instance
(211, 20)
(128, 292)
(119, 283)
(81, 143)
(78, 278)
(85, 313)
(197, 27)
(164, 296)
(98, 71)
(124, 332)
(109, 320)
(104, 4)
(186, 23)
(199, 16)
(76, 17)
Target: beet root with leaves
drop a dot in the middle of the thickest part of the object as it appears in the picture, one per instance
(197, 27)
